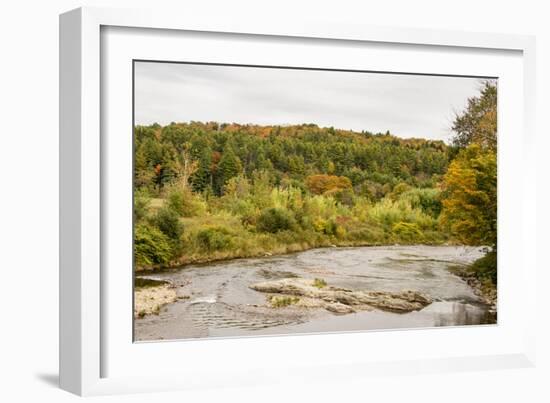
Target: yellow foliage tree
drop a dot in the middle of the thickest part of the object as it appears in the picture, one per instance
(470, 196)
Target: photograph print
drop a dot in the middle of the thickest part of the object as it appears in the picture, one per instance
(280, 201)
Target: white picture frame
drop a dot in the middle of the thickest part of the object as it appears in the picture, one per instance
(93, 341)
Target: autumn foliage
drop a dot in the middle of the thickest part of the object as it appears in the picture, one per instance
(320, 184)
(470, 197)
(247, 190)
(469, 187)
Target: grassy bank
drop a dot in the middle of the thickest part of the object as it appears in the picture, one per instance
(254, 220)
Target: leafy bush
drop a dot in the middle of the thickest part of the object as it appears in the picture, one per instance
(340, 232)
(237, 187)
(168, 222)
(388, 213)
(319, 283)
(370, 234)
(185, 203)
(274, 220)
(407, 231)
(398, 190)
(373, 191)
(485, 268)
(428, 200)
(151, 246)
(323, 207)
(214, 238)
(239, 207)
(282, 301)
(344, 196)
(330, 228)
(141, 207)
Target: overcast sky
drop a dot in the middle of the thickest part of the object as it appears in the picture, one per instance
(406, 105)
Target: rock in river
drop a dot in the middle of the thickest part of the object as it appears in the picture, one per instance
(401, 302)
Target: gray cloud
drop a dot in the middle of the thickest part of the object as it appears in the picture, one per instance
(406, 105)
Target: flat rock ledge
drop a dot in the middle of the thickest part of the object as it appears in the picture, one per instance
(341, 300)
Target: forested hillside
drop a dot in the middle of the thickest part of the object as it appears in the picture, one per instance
(207, 191)
(374, 163)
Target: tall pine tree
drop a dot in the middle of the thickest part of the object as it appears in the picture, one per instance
(229, 166)
(202, 177)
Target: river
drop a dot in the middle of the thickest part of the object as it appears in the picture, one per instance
(216, 301)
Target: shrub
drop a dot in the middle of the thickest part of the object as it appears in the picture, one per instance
(214, 238)
(320, 207)
(330, 227)
(485, 268)
(371, 234)
(261, 189)
(151, 246)
(373, 191)
(289, 198)
(386, 212)
(237, 187)
(389, 213)
(344, 196)
(319, 283)
(185, 203)
(282, 301)
(407, 231)
(340, 232)
(274, 220)
(238, 207)
(319, 225)
(168, 222)
(428, 200)
(141, 207)
(398, 190)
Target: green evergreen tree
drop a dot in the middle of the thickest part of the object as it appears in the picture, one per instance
(201, 179)
(229, 166)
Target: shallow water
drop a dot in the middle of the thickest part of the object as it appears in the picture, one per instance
(217, 300)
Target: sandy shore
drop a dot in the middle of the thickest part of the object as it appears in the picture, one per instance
(149, 300)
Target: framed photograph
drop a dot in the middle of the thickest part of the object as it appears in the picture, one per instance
(241, 201)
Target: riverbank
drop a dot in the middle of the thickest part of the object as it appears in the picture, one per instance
(275, 221)
(150, 296)
(485, 289)
(280, 250)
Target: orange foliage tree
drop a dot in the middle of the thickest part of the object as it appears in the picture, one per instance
(319, 184)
